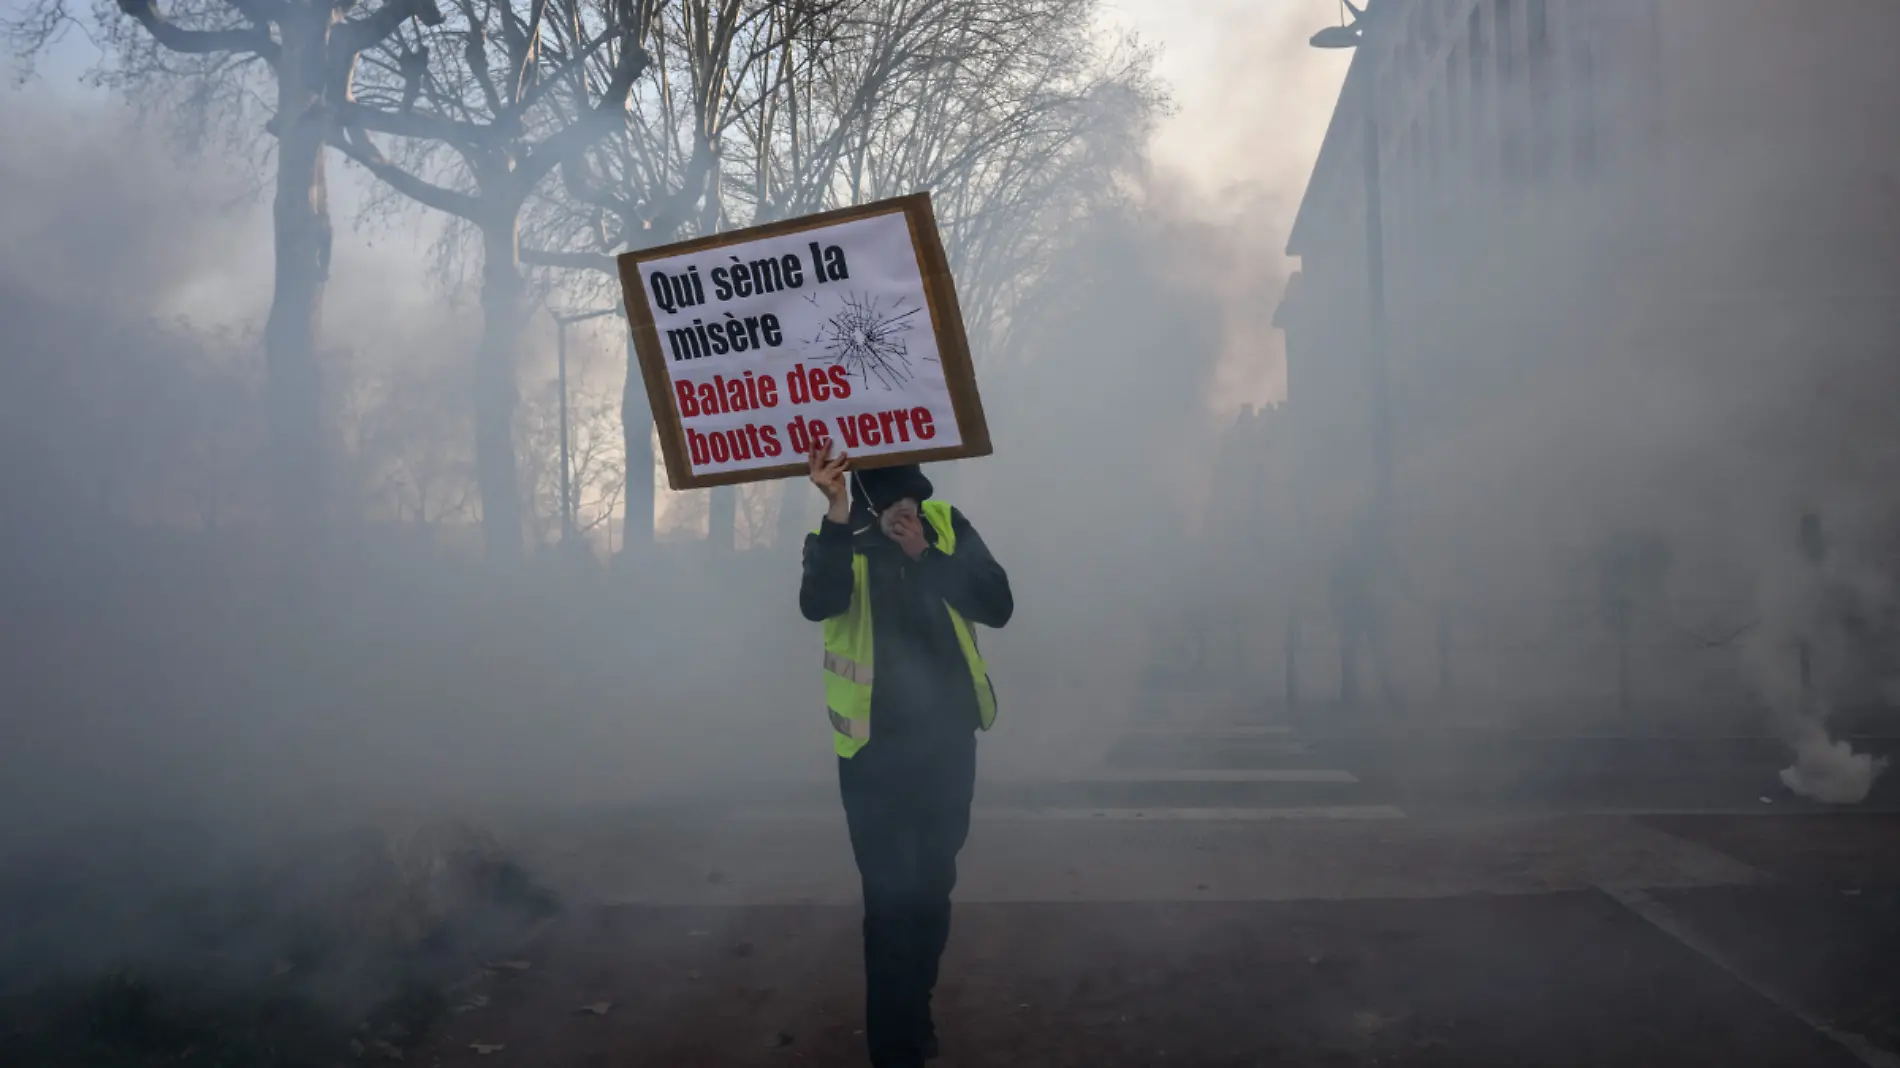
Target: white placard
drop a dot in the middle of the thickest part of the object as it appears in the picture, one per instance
(773, 344)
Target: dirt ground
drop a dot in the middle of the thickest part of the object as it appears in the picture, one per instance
(1555, 979)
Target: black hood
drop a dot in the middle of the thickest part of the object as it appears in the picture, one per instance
(880, 487)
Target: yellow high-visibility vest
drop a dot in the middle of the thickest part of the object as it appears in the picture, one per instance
(848, 664)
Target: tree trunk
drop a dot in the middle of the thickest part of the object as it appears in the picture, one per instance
(636, 424)
(300, 216)
(503, 299)
(723, 523)
(723, 526)
(797, 516)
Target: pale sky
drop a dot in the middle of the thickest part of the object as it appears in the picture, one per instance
(1252, 98)
(1252, 101)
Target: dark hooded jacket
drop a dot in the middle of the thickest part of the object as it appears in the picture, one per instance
(923, 687)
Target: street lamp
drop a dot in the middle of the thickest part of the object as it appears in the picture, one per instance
(1352, 35)
(561, 323)
(1337, 37)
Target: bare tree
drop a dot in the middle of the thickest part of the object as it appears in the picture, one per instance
(1008, 111)
(484, 105)
(659, 179)
(223, 66)
(598, 479)
(407, 441)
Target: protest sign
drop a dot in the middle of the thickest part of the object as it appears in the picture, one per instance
(757, 344)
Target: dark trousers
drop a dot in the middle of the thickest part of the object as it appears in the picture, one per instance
(908, 808)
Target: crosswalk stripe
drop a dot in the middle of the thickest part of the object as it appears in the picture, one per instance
(1289, 775)
(1110, 815)
(1259, 747)
(1211, 815)
(1211, 730)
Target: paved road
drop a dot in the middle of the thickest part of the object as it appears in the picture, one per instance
(1244, 758)
(1223, 888)
(1577, 978)
(1214, 758)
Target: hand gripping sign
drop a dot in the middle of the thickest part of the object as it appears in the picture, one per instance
(757, 344)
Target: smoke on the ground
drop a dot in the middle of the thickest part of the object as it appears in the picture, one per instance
(1606, 443)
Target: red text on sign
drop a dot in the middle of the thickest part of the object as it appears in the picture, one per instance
(752, 442)
(723, 395)
(893, 427)
(807, 385)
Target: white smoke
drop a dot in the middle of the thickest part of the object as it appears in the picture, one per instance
(1828, 770)
(1825, 617)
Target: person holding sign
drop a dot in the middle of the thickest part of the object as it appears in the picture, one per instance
(757, 344)
(899, 581)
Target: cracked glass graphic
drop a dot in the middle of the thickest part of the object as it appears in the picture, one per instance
(867, 338)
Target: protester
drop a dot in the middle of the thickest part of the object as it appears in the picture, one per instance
(896, 575)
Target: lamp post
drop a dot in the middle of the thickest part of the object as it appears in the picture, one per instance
(561, 323)
(1352, 35)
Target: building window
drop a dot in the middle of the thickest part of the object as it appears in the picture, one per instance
(1415, 165)
(1542, 121)
(1510, 148)
(1478, 99)
(1454, 111)
(1584, 107)
(1435, 139)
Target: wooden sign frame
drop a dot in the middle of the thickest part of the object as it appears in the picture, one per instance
(946, 317)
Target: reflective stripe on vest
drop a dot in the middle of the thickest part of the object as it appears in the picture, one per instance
(858, 729)
(848, 654)
(847, 668)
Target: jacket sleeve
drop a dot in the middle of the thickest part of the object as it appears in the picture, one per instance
(970, 579)
(825, 590)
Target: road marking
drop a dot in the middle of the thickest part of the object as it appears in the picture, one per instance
(1159, 814)
(1305, 775)
(1786, 809)
(1664, 919)
(1261, 746)
(1211, 730)
(1194, 815)
(1207, 704)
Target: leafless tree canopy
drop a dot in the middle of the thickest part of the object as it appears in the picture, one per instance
(1009, 113)
(752, 110)
(223, 66)
(489, 100)
(551, 134)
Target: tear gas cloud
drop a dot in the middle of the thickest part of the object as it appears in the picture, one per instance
(1544, 441)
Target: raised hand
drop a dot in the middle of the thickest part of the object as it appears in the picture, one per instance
(828, 474)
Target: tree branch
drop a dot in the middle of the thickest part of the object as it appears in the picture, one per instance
(357, 146)
(357, 35)
(574, 261)
(421, 127)
(591, 124)
(198, 42)
(475, 54)
(587, 127)
(259, 12)
(578, 179)
(533, 93)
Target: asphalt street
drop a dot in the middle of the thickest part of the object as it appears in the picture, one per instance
(1228, 888)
